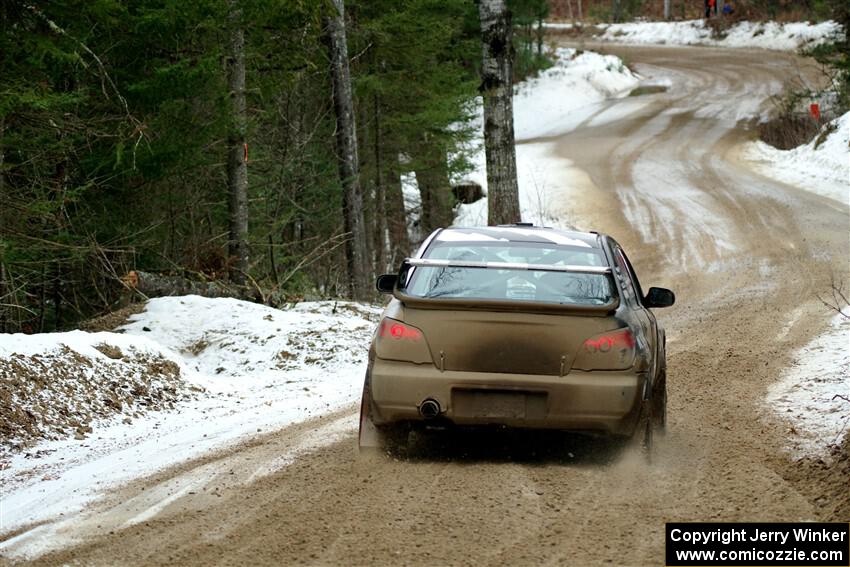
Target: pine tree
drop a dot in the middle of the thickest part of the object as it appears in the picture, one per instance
(357, 257)
(416, 74)
(237, 166)
(115, 117)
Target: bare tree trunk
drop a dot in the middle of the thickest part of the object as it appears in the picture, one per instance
(570, 9)
(579, 10)
(2, 154)
(53, 273)
(435, 189)
(615, 11)
(237, 166)
(3, 299)
(541, 32)
(497, 89)
(42, 300)
(356, 249)
(396, 213)
(56, 293)
(380, 232)
(667, 9)
(368, 187)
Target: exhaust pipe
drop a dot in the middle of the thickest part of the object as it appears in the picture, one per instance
(430, 408)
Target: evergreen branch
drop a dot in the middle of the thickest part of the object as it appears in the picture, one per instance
(104, 75)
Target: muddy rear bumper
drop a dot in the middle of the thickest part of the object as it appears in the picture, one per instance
(606, 402)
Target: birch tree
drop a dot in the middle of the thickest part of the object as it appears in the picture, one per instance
(237, 167)
(497, 90)
(356, 252)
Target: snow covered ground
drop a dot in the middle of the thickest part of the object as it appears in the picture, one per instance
(563, 96)
(806, 393)
(57, 385)
(554, 103)
(822, 168)
(763, 35)
(251, 368)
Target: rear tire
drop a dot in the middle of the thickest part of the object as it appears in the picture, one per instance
(659, 403)
(653, 418)
(646, 431)
(373, 439)
(369, 437)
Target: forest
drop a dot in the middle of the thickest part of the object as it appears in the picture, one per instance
(210, 143)
(126, 126)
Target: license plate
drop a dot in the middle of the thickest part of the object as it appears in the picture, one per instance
(498, 404)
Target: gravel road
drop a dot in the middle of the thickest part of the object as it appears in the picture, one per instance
(743, 253)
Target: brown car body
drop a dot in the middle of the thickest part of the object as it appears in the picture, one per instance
(478, 339)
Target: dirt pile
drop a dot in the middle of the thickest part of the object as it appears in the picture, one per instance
(837, 483)
(827, 482)
(60, 392)
(112, 320)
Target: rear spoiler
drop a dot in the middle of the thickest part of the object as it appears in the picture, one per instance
(429, 263)
(464, 303)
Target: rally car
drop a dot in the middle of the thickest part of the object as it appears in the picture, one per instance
(516, 326)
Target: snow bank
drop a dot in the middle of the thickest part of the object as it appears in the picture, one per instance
(554, 103)
(231, 344)
(820, 168)
(57, 385)
(763, 35)
(251, 368)
(549, 105)
(805, 393)
(779, 36)
(664, 33)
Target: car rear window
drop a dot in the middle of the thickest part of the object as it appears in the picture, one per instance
(513, 284)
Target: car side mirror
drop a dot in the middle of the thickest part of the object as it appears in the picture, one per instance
(386, 283)
(659, 297)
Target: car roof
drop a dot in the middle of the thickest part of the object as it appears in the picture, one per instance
(520, 233)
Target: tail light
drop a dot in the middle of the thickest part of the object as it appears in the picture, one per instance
(396, 340)
(613, 350)
(622, 338)
(396, 330)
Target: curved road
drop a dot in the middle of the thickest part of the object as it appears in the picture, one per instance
(746, 256)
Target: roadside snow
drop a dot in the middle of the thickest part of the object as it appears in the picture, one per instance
(763, 35)
(561, 97)
(779, 36)
(259, 368)
(806, 394)
(545, 188)
(824, 169)
(57, 385)
(232, 344)
(559, 100)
